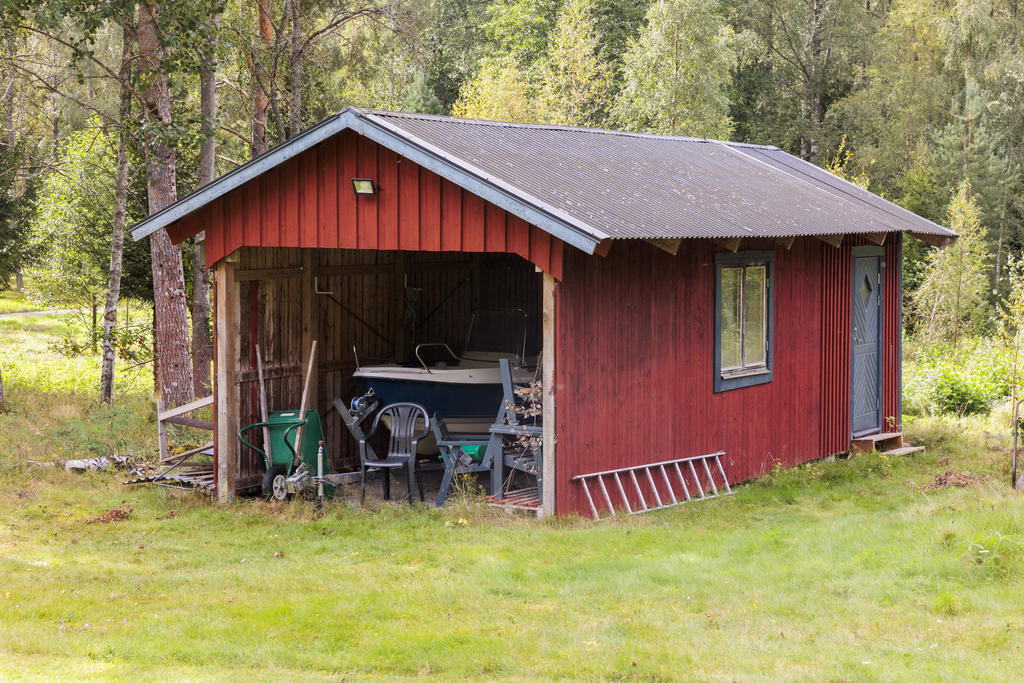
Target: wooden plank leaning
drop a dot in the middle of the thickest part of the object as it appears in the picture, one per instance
(302, 403)
(264, 415)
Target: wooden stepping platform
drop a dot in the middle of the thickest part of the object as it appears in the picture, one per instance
(905, 450)
(877, 442)
(887, 443)
(522, 499)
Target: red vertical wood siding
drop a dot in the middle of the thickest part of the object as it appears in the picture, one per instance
(836, 284)
(835, 347)
(308, 201)
(892, 292)
(635, 365)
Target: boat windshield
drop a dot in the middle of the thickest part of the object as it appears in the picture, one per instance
(496, 333)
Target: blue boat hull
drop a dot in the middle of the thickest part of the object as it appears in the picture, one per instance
(451, 399)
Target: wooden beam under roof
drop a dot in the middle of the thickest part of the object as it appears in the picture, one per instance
(669, 244)
(940, 241)
(834, 240)
(876, 237)
(730, 243)
(785, 242)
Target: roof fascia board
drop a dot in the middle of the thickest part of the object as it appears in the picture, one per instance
(478, 182)
(237, 177)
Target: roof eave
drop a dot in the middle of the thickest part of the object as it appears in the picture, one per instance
(238, 176)
(460, 173)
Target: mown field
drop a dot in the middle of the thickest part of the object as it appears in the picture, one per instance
(847, 570)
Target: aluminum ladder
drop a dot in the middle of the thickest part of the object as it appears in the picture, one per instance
(672, 476)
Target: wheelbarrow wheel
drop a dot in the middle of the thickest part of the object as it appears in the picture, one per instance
(274, 483)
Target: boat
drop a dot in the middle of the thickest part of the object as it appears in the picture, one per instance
(464, 388)
(471, 389)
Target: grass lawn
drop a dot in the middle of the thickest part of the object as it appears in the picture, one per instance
(834, 571)
(13, 301)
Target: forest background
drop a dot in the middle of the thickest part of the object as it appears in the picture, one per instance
(111, 109)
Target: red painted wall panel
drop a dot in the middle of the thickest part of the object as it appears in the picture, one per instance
(308, 201)
(635, 364)
(836, 284)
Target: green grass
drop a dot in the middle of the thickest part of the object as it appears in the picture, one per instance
(833, 571)
(13, 301)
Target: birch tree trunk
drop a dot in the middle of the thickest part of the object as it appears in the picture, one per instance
(170, 309)
(117, 239)
(202, 346)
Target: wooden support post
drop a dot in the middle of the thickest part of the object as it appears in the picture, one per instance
(310, 320)
(548, 398)
(161, 431)
(399, 332)
(227, 328)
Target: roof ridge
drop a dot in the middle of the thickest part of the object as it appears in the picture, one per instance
(550, 126)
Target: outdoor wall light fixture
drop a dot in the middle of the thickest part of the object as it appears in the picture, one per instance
(364, 186)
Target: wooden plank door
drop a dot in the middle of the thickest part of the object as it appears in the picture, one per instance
(866, 329)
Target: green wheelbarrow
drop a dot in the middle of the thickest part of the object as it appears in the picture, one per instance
(283, 475)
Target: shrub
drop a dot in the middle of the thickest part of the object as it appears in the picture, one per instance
(967, 380)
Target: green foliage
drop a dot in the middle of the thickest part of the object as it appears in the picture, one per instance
(966, 380)
(15, 248)
(520, 29)
(677, 72)
(500, 92)
(952, 299)
(839, 164)
(576, 81)
(421, 99)
(72, 224)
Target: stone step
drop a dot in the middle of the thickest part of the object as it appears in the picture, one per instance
(877, 442)
(905, 450)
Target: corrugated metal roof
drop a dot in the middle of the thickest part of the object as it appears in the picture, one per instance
(586, 185)
(629, 185)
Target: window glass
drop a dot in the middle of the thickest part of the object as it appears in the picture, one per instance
(743, 319)
(753, 317)
(732, 281)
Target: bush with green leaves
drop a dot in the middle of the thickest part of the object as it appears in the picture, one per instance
(966, 380)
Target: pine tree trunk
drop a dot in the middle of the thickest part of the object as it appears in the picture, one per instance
(202, 346)
(259, 120)
(117, 239)
(295, 69)
(170, 309)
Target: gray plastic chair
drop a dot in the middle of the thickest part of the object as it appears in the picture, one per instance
(402, 442)
(456, 461)
(502, 449)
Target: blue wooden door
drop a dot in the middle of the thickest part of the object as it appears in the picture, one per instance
(865, 380)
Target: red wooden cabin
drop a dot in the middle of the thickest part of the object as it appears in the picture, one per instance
(690, 295)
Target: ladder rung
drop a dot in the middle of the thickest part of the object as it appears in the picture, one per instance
(658, 502)
(668, 484)
(636, 484)
(696, 481)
